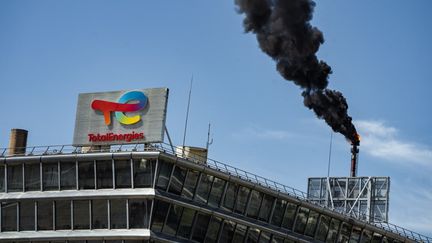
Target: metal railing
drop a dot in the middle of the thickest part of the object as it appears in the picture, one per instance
(214, 164)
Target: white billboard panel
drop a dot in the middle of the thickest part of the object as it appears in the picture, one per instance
(118, 117)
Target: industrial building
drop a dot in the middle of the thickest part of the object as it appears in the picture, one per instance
(147, 191)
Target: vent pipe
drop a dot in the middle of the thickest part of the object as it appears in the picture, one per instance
(18, 142)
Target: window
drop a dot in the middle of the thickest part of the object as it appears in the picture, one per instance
(355, 234)
(27, 215)
(239, 233)
(264, 237)
(50, 176)
(143, 172)
(253, 235)
(138, 213)
(190, 184)
(177, 180)
(201, 224)
(186, 223)
(345, 232)
(122, 173)
(323, 228)
(301, 220)
(100, 214)
(14, 178)
(254, 204)
(216, 192)
(266, 207)
(227, 231)
(32, 177)
(2, 178)
(173, 219)
(230, 196)
(204, 187)
(118, 213)
(213, 230)
(242, 197)
(9, 216)
(278, 212)
(67, 175)
(63, 215)
(366, 236)
(81, 217)
(376, 238)
(289, 215)
(45, 215)
(160, 212)
(311, 223)
(86, 179)
(333, 231)
(104, 174)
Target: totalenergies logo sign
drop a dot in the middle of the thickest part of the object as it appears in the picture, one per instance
(119, 117)
(106, 107)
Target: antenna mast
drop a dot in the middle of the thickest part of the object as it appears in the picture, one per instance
(209, 141)
(187, 116)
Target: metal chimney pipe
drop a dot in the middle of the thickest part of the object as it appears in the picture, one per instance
(18, 142)
(354, 160)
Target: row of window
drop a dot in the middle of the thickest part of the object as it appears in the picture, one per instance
(82, 241)
(28, 215)
(98, 174)
(216, 192)
(187, 224)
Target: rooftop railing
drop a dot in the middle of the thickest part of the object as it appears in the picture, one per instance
(214, 164)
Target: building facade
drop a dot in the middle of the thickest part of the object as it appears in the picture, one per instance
(137, 194)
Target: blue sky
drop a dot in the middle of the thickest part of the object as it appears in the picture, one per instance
(379, 51)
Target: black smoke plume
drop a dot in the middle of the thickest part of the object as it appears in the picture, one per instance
(283, 32)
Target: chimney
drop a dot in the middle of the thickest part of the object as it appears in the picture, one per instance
(354, 160)
(18, 142)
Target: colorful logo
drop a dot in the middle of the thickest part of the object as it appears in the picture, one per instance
(122, 106)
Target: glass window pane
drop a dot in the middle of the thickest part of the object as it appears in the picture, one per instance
(288, 219)
(143, 172)
(163, 175)
(190, 184)
(230, 196)
(45, 215)
(264, 237)
(311, 223)
(278, 212)
(104, 174)
(27, 215)
(345, 232)
(160, 212)
(266, 207)
(81, 214)
(100, 214)
(9, 216)
(253, 235)
(67, 175)
(277, 239)
(138, 213)
(204, 187)
(355, 235)
(323, 228)
(63, 214)
(14, 178)
(213, 230)
(123, 173)
(50, 176)
(227, 231)
(242, 197)
(333, 231)
(216, 192)
(32, 177)
(118, 213)
(302, 217)
(186, 223)
(201, 224)
(86, 178)
(2, 178)
(177, 180)
(173, 219)
(240, 233)
(366, 236)
(254, 204)
(376, 238)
